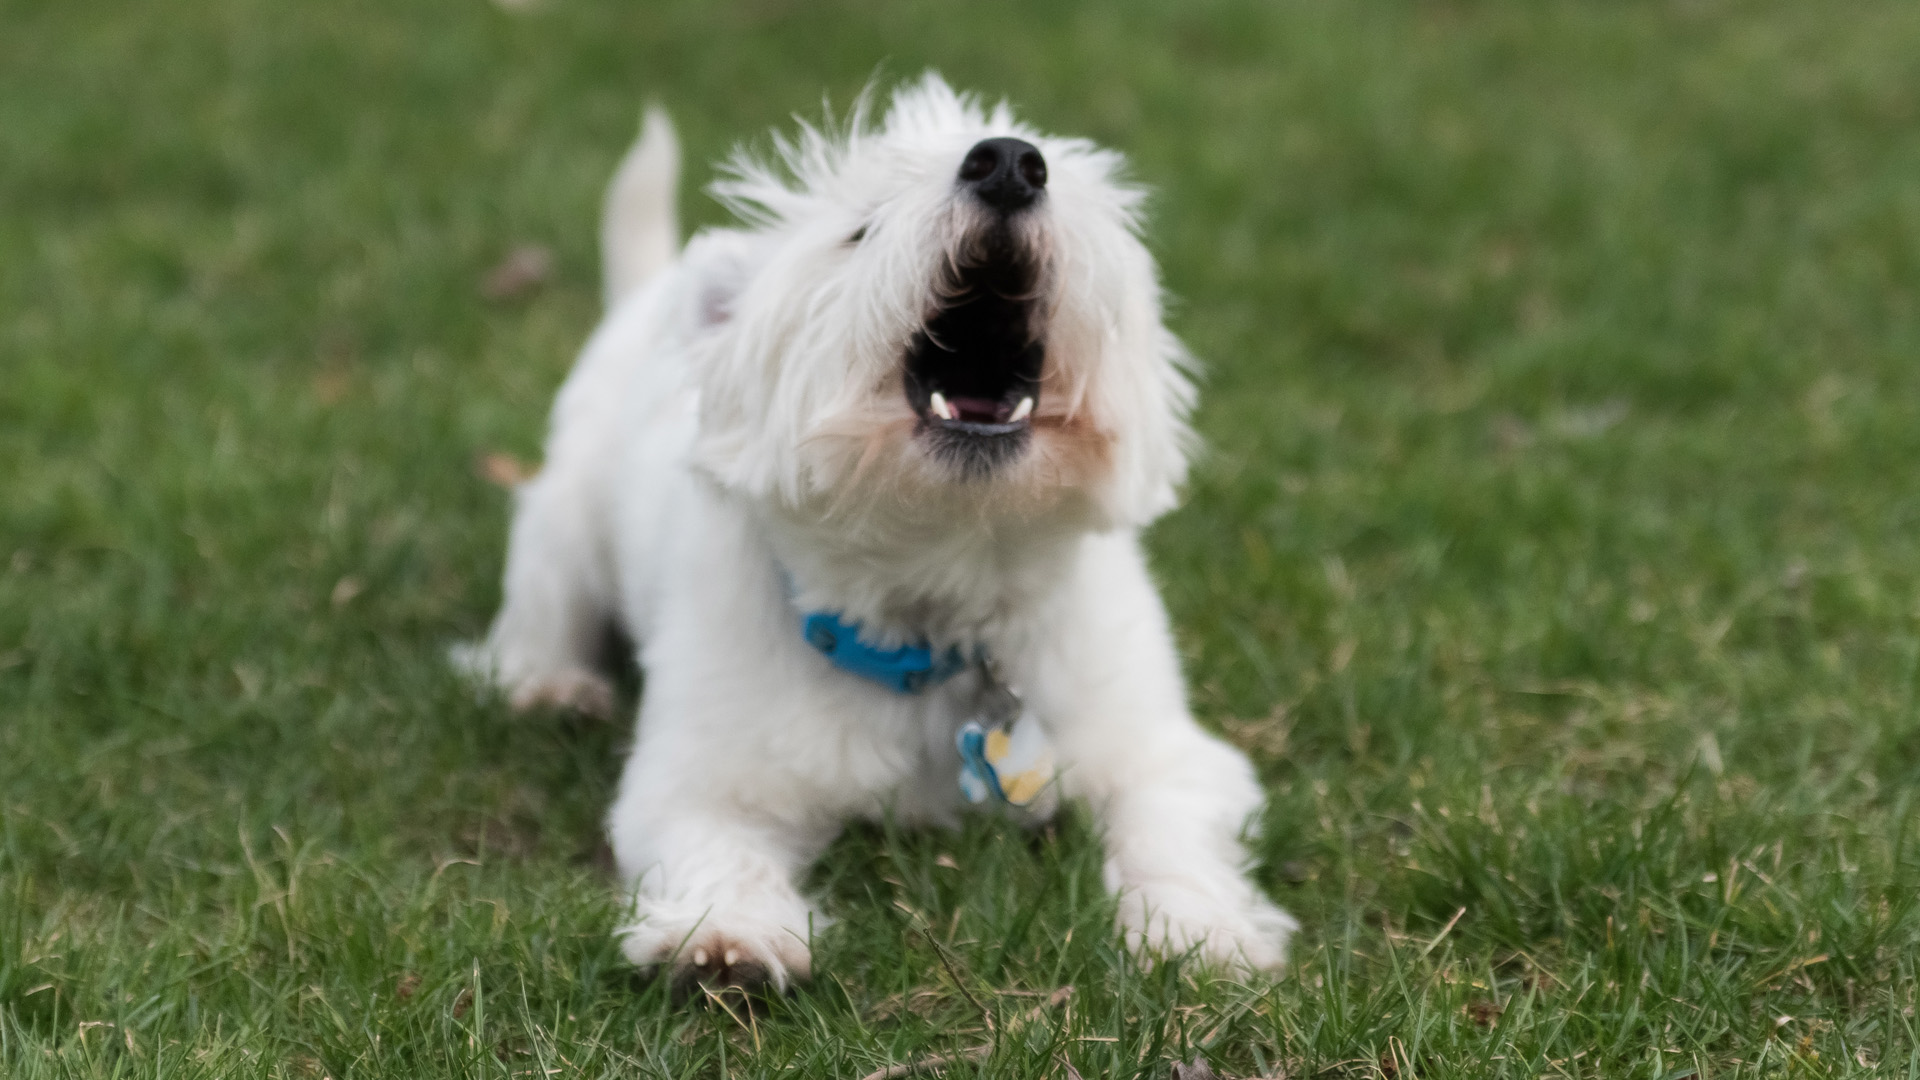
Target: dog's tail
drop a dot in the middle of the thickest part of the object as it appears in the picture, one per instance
(639, 229)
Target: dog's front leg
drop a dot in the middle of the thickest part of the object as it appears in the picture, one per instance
(1172, 801)
(714, 891)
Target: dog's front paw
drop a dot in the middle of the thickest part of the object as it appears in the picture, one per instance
(530, 686)
(724, 962)
(1240, 931)
(578, 689)
(714, 956)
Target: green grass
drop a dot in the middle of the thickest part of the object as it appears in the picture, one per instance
(1556, 554)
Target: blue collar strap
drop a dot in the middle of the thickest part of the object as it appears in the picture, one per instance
(908, 669)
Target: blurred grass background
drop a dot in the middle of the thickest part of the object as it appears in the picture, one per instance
(1554, 554)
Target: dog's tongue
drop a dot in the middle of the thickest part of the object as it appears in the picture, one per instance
(975, 410)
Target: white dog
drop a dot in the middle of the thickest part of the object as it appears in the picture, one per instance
(863, 479)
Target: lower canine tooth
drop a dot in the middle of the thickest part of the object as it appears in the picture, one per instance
(1021, 411)
(938, 403)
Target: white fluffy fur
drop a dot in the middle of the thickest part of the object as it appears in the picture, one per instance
(741, 413)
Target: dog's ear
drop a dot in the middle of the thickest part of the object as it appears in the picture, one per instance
(720, 263)
(716, 304)
(744, 429)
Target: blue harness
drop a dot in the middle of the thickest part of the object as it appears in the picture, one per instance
(908, 669)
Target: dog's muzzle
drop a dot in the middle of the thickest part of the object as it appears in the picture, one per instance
(973, 371)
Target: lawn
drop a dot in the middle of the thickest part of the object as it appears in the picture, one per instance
(1556, 553)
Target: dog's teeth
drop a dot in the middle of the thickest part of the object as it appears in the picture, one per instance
(733, 957)
(699, 958)
(938, 403)
(1021, 411)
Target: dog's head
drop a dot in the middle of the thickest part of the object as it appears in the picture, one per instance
(946, 311)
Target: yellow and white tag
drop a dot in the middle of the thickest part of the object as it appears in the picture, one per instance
(1007, 758)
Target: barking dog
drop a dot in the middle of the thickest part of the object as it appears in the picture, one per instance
(863, 479)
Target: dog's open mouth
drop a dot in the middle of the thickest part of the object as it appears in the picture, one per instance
(973, 372)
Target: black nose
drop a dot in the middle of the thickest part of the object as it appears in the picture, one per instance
(1007, 174)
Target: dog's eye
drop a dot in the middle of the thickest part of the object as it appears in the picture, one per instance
(859, 234)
